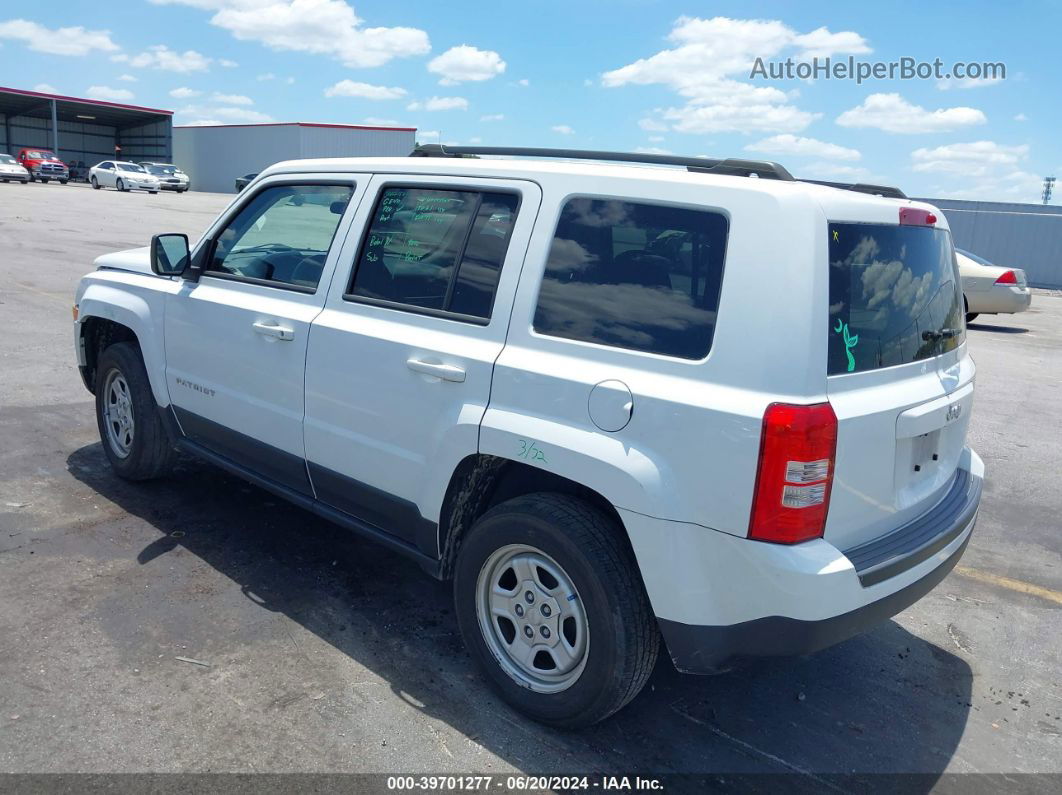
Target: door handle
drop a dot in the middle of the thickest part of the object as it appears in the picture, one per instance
(270, 330)
(447, 372)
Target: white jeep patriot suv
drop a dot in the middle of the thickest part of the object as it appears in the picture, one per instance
(617, 405)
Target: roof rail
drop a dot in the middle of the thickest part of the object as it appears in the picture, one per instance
(730, 166)
(887, 191)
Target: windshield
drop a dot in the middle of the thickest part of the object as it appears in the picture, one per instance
(40, 154)
(975, 258)
(160, 169)
(131, 167)
(8, 160)
(895, 296)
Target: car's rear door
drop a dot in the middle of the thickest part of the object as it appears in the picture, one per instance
(236, 338)
(899, 379)
(400, 361)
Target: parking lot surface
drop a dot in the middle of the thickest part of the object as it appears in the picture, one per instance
(326, 653)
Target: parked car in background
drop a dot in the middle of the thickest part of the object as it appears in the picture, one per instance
(244, 181)
(42, 164)
(170, 176)
(11, 170)
(533, 378)
(122, 176)
(78, 170)
(989, 289)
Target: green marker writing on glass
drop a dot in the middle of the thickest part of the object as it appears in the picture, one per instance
(850, 341)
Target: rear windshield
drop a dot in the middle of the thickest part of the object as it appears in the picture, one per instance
(895, 296)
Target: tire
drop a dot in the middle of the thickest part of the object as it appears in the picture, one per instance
(119, 185)
(95, 184)
(570, 548)
(63, 181)
(44, 181)
(153, 192)
(146, 450)
(971, 316)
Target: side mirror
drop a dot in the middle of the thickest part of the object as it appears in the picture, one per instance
(169, 254)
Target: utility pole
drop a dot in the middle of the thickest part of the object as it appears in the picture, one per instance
(1049, 185)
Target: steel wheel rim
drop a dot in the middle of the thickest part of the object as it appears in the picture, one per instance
(532, 618)
(118, 414)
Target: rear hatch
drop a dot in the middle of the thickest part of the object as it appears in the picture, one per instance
(898, 375)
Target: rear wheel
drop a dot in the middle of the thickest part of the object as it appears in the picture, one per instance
(120, 185)
(133, 436)
(550, 603)
(971, 316)
(63, 181)
(44, 181)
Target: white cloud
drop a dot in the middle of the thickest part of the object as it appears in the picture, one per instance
(227, 63)
(562, 129)
(351, 88)
(127, 78)
(980, 170)
(493, 117)
(788, 144)
(440, 103)
(524, 82)
(475, 140)
(227, 114)
(58, 41)
(840, 172)
(46, 88)
(109, 94)
(231, 99)
(322, 27)
(266, 76)
(184, 92)
(162, 57)
(969, 82)
(466, 64)
(288, 81)
(892, 113)
(202, 123)
(975, 159)
(378, 122)
(422, 134)
(1021, 117)
(708, 65)
(653, 150)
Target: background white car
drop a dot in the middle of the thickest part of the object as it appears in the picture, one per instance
(990, 289)
(170, 176)
(12, 170)
(123, 176)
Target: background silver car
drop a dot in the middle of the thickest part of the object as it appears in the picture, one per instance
(990, 289)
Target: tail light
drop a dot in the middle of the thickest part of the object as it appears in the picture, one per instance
(797, 451)
(913, 216)
(1008, 277)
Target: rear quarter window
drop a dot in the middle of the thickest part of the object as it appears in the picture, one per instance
(895, 296)
(645, 277)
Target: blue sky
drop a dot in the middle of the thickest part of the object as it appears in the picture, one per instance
(623, 74)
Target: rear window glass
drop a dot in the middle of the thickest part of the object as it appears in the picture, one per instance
(437, 250)
(895, 296)
(639, 276)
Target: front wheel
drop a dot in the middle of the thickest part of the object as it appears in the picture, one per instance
(120, 185)
(95, 184)
(551, 605)
(133, 436)
(152, 192)
(44, 181)
(63, 181)
(971, 316)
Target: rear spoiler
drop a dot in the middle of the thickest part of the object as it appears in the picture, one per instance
(887, 191)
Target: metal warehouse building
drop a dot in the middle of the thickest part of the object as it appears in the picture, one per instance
(86, 130)
(213, 156)
(1026, 236)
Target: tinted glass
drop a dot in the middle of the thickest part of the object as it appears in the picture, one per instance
(638, 276)
(8, 159)
(282, 235)
(895, 296)
(436, 249)
(974, 257)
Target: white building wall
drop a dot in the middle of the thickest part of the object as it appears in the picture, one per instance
(214, 157)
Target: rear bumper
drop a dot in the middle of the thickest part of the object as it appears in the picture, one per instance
(719, 599)
(1000, 299)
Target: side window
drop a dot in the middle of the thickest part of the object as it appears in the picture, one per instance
(438, 250)
(630, 275)
(282, 235)
(106, 165)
